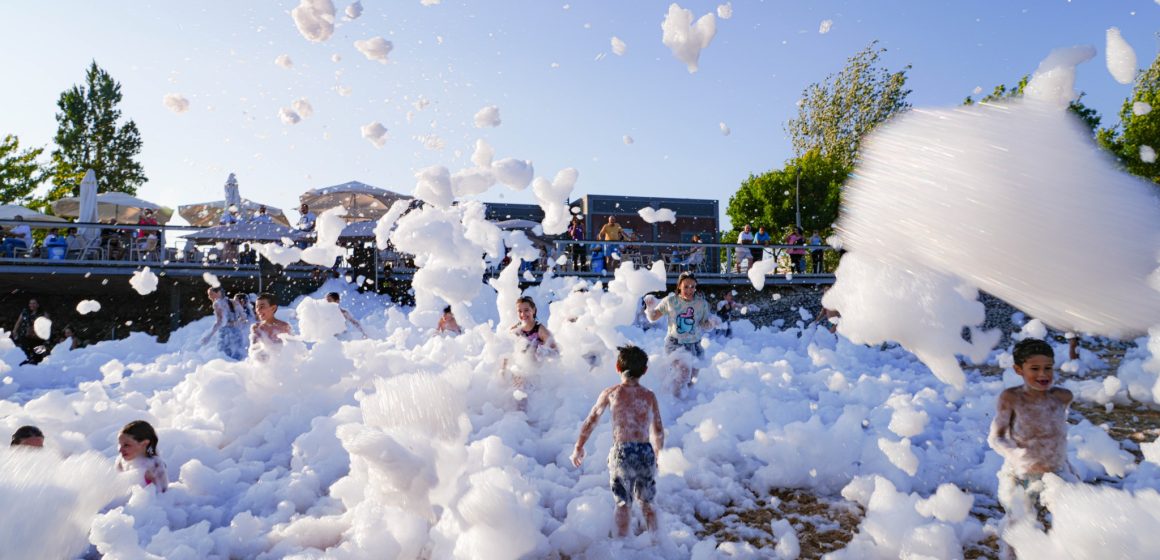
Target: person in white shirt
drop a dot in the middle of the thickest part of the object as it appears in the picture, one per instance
(23, 232)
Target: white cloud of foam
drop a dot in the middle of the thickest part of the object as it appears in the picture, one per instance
(685, 38)
(288, 116)
(825, 26)
(303, 108)
(375, 48)
(375, 133)
(314, 19)
(1121, 59)
(618, 46)
(354, 10)
(284, 61)
(487, 117)
(725, 129)
(176, 102)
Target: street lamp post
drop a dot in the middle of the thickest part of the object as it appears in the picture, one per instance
(797, 200)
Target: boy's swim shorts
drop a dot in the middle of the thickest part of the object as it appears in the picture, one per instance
(632, 468)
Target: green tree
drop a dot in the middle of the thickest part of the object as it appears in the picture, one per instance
(1089, 116)
(89, 136)
(769, 199)
(1135, 131)
(834, 115)
(20, 173)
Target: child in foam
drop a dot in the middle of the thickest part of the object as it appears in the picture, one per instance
(29, 436)
(137, 445)
(533, 341)
(335, 298)
(632, 463)
(269, 329)
(447, 323)
(689, 316)
(1030, 430)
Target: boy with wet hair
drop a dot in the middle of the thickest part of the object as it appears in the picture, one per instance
(632, 462)
(1030, 429)
(268, 328)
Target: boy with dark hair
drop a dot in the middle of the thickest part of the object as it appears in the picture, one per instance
(636, 419)
(1030, 429)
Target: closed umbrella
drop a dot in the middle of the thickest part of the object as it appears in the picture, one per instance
(361, 201)
(117, 206)
(88, 207)
(233, 196)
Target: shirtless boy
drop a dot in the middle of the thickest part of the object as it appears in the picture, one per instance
(268, 328)
(632, 462)
(1030, 426)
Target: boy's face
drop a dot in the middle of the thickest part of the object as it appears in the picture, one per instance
(1037, 372)
(264, 309)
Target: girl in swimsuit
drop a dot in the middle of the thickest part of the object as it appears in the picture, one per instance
(532, 336)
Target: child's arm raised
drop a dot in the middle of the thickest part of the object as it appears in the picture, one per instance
(657, 430)
(588, 425)
(650, 308)
(1000, 436)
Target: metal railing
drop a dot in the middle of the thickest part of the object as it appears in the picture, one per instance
(130, 244)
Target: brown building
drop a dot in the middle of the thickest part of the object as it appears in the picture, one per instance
(694, 217)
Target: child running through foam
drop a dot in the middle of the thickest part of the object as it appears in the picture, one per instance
(137, 445)
(532, 336)
(1030, 430)
(632, 463)
(688, 315)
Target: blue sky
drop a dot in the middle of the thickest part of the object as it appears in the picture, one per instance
(562, 104)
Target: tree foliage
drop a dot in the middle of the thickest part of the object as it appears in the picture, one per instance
(1089, 116)
(89, 136)
(1135, 131)
(20, 173)
(768, 199)
(834, 115)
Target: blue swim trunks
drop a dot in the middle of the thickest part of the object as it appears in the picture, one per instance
(632, 468)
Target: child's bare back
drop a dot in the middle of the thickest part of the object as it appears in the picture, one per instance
(637, 436)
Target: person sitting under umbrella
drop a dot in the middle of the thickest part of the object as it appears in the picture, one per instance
(261, 217)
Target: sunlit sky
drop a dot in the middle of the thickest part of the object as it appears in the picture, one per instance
(564, 98)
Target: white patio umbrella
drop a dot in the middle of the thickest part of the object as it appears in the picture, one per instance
(361, 201)
(11, 211)
(123, 208)
(209, 213)
(245, 231)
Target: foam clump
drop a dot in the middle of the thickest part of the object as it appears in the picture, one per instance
(916, 280)
(144, 281)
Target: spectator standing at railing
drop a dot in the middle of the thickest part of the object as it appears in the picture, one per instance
(578, 250)
(611, 232)
(762, 239)
(796, 254)
(745, 238)
(817, 256)
(306, 221)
